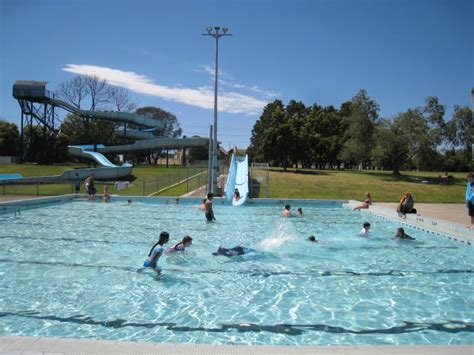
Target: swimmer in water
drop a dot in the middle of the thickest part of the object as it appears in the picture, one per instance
(181, 246)
(208, 206)
(287, 211)
(401, 234)
(156, 252)
(365, 229)
(238, 250)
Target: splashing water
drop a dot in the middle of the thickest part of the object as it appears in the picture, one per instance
(282, 234)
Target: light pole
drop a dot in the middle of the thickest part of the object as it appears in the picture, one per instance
(217, 33)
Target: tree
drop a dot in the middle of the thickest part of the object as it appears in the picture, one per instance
(390, 148)
(461, 130)
(295, 116)
(170, 126)
(9, 139)
(73, 91)
(121, 100)
(260, 148)
(98, 90)
(98, 131)
(362, 117)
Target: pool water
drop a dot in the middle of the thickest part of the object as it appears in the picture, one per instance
(75, 270)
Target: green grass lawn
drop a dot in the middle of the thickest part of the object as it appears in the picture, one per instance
(149, 179)
(383, 186)
(317, 184)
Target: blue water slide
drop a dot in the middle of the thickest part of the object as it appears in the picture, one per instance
(238, 177)
(85, 151)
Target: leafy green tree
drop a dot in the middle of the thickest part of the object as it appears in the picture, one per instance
(9, 139)
(461, 131)
(171, 127)
(98, 131)
(390, 149)
(260, 149)
(295, 116)
(360, 119)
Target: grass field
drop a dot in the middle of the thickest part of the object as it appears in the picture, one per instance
(149, 179)
(383, 186)
(317, 184)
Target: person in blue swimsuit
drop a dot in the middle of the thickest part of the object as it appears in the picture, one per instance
(470, 199)
(156, 252)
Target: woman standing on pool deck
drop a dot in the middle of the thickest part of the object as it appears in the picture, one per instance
(156, 252)
(470, 199)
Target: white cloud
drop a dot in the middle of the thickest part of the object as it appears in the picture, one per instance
(230, 82)
(202, 97)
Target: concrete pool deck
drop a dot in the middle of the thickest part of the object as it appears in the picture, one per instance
(36, 346)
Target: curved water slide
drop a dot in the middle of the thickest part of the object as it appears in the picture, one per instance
(147, 139)
(238, 177)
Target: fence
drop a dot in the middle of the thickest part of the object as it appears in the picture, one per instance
(259, 180)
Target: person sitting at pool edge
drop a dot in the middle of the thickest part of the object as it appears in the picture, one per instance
(365, 229)
(208, 206)
(287, 211)
(236, 194)
(366, 203)
(182, 245)
(401, 234)
(406, 205)
(156, 252)
(238, 250)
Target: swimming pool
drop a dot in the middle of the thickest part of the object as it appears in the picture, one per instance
(74, 270)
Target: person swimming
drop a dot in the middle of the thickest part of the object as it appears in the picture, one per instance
(401, 234)
(156, 252)
(238, 250)
(287, 211)
(181, 246)
(365, 229)
(300, 211)
(313, 239)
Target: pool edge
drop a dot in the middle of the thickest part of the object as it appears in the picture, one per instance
(17, 344)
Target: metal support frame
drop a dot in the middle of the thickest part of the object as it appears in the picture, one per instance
(35, 113)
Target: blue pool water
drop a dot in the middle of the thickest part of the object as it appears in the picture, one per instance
(74, 270)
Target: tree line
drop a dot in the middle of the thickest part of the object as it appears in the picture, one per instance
(354, 135)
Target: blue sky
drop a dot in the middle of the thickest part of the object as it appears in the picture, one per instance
(319, 51)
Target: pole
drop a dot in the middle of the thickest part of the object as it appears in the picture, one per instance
(209, 169)
(218, 33)
(215, 148)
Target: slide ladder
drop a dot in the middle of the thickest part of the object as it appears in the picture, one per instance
(238, 177)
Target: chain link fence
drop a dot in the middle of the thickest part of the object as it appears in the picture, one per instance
(259, 180)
